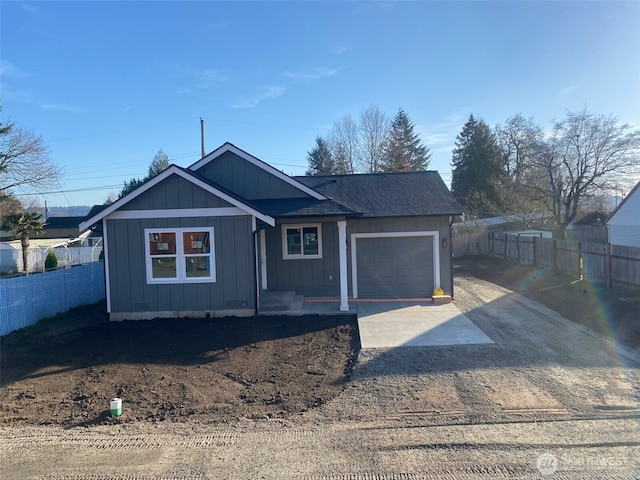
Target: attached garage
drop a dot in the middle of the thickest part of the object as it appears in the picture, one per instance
(394, 264)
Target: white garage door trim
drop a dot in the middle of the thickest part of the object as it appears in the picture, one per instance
(436, 253)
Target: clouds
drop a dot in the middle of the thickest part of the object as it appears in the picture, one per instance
(9, 70)
(441, 137)
(24, 94)
(192, 79)
(314, 74)
(64, 107)
(293, 76)
(255, 100)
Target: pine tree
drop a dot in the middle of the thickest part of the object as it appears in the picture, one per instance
(403, 151)
(478, 169)
(159, 164)
(320, 159)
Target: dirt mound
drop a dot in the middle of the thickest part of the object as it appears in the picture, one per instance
(66, 370)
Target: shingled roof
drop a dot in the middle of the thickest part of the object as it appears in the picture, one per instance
(388, 194)
(299, 207)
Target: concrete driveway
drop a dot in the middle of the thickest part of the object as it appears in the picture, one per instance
(411, 324)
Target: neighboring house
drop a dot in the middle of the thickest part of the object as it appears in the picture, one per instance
(61, 227)
(624, 221)
(208, 240)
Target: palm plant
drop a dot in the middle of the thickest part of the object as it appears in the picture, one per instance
(23, 224)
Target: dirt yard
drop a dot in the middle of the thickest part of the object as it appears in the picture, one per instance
(65, 370)
(610, 311)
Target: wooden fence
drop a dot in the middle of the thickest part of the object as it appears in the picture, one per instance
(600, 262)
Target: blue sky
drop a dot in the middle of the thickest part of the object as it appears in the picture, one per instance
(107, 84)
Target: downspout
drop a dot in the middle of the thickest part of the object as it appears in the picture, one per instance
(256, 231)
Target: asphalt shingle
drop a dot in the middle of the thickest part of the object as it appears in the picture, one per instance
(388, 194)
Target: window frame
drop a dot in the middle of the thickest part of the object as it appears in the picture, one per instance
(181, 277)
(300, 256)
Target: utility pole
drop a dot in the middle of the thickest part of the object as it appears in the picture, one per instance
(202, 136)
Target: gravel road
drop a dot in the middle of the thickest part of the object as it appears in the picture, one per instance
(548, 400)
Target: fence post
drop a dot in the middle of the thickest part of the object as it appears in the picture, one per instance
(506, 244)
(580, 272)
(555, 255)
(518, 248)
(535, 260)
(607, 250)
(491, 243)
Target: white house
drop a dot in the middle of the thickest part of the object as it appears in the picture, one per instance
(624, 221)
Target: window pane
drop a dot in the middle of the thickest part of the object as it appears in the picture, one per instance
(196, 242)
(294, 246)
(162, 243)
(310, 236)
(198, 266)
(163, 267)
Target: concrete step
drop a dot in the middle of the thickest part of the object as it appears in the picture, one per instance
(276, 301)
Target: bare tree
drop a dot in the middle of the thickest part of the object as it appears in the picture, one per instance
(345, 144)
(520, 141)
(25, 163)
(583, 155)
(374, 130)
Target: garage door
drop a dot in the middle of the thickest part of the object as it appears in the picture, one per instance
(394, 267)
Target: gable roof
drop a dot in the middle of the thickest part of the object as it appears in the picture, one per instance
(229, 147)
(624, 200)
(388, 194)
(189, 176)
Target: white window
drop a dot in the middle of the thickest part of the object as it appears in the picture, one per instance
(301, 241)
(180, 255)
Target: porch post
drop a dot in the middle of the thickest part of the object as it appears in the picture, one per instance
(342, 249)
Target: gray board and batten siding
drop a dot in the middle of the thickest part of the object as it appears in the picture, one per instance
(132, 297)
(246, 179)
(312, 277)
(175, 192)
(411, 276)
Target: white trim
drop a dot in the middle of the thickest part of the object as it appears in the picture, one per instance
(301, 255)
(229, 147)
(174, 170)
(180, 256)
(105, 259)
(177, 213)
(342, 254)
(263, 258)
(436, 253)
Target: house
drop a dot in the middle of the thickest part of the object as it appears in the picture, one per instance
(210, 239)
(624, 221)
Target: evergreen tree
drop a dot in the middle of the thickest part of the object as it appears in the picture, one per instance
(403, 151)
(320, 159)
(159, 164)
(477, 166)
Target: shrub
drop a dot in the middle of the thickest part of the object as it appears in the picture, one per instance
(51, 261)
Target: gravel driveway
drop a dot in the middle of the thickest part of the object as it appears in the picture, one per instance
(546, 387)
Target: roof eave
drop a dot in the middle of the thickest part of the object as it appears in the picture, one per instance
(173, 169)
(229, 147)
